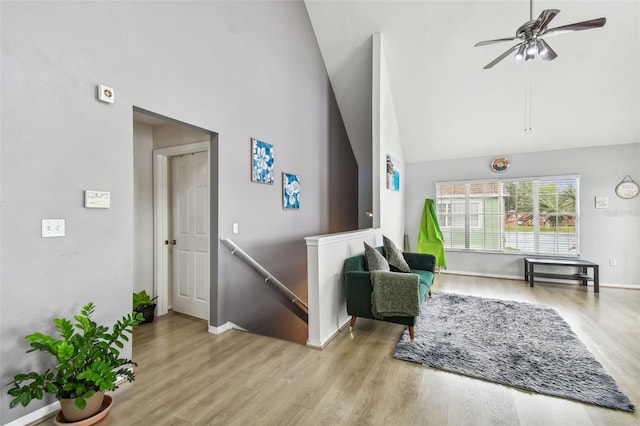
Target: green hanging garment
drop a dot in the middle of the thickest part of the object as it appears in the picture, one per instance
(430, 239)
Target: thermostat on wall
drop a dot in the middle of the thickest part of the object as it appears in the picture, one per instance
(97, 199)
(602, 202)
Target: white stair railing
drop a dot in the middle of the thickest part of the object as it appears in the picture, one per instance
(268, 277)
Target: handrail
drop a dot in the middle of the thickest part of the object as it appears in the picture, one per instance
(266, 274)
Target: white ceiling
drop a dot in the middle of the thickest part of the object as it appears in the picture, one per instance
(448, 107)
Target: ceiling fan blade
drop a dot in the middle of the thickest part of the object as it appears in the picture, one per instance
(543, 20)
(498, 40)
(578, 26)
(501, 57)
(545, 51)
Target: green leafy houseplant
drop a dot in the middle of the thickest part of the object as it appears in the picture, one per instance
(88, 360)
(144, 304)
(142, 300)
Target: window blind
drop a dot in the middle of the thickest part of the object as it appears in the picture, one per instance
(525, 215)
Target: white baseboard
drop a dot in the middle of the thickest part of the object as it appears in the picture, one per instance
(333, 336)
(224, 327)
(481, 274)
(521, 278)
(36, 416)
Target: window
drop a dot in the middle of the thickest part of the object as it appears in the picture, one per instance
(527, 215)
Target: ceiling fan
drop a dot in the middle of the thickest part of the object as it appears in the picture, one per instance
(531, 33)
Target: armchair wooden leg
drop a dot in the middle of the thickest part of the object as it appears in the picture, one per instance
(412, 332)
(352, 323)
(429, 292)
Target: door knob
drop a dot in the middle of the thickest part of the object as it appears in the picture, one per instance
(172, 242)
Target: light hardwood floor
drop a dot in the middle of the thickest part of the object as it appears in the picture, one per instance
(187, 376)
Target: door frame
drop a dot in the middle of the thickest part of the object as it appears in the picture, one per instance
(161, 207)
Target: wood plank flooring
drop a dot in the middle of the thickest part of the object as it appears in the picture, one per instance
(187, 376)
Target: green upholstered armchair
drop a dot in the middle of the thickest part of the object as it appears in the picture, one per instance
(359, 288)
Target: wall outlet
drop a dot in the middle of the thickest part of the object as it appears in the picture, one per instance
(612, 262)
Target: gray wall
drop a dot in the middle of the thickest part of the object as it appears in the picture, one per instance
(239, 69)
(604, 234)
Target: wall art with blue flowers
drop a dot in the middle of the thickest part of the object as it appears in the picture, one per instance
(393, 173)
(290, 191)
(261, 162)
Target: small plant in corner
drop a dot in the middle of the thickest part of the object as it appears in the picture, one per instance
(144, 304)
(88, 360)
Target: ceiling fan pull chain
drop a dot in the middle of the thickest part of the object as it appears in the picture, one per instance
(525, 100)
(526, 94)
(530, 94)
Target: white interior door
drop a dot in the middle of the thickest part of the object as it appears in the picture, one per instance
(189, 234)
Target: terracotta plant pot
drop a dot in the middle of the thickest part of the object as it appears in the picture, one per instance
(72, 414)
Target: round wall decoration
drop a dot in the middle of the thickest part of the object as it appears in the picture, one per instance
(500, 164)
(627, 188)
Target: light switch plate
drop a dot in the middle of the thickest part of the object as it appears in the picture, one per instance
(52, 228)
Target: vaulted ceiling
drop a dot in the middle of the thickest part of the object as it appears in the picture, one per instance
(449, 107)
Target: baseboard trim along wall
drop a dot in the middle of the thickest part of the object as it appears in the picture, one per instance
(37, 416)
(342, 327)
(224, 327)
(521, 278)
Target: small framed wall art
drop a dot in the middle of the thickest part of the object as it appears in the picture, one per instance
(290, 191)
(393, 173)
(261, 162)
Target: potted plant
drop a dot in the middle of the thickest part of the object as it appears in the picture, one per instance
(88, 364)
(144, 304)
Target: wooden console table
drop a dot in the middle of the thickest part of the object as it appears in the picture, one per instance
(583, 275)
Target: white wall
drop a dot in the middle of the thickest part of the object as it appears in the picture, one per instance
(365, 195)
(240, 69)
(388, 204)
(171, 134)
(143, 208)
(604, 234)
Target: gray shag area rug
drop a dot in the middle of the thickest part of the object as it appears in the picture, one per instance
(512, 343)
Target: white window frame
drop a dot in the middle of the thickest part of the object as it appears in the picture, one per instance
(467, 198)
(479, 216)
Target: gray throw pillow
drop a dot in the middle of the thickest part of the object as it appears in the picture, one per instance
(394, 255)
(375, 261)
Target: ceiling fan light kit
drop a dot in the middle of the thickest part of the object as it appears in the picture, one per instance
(531, 33)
